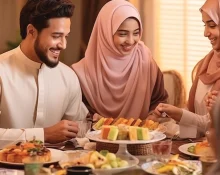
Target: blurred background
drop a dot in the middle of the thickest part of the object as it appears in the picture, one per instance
(173, 30)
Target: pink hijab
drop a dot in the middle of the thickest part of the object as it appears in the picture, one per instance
(113, 84)
(209, 69)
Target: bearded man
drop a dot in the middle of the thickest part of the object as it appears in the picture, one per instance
(39, 96)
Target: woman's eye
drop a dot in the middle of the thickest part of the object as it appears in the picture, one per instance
(136, 34)
(122, 34)
(213, 26)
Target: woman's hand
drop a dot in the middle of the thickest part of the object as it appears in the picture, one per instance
(210, 99)
(171, 111)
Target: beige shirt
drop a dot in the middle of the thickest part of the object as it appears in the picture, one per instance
(34, 96)
(195, 124)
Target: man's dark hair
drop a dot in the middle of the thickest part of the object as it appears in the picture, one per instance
(38, 12)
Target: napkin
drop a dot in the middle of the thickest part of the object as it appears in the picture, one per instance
(173, 129)
(82, 141)
(90, 146)
(8, 137)
(4, 171)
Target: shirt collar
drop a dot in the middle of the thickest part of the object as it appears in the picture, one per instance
(27, 60)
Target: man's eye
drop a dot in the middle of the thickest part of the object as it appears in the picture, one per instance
(55, 37)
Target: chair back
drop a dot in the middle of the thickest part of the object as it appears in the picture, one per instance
(174, 86)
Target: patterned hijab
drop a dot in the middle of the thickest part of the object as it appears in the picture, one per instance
(113, 84)
(209, 68)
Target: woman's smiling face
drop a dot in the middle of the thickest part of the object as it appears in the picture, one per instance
(211, 31)
(127, 36)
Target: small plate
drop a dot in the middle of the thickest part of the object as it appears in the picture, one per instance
(184, 149)
(154, 135)
(56, 156)
(148, 167)
(70, 155)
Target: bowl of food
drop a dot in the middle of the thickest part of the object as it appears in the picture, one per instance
(102, 162)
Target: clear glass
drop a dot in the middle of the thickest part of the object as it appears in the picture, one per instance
(84, 127)
(162, 149)
(32, 165)
(207, 162)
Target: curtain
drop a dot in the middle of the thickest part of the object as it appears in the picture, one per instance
(90, 10)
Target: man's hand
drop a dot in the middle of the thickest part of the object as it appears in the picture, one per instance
(62, 131)
(172, 111)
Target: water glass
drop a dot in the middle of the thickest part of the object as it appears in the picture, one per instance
(162, 149)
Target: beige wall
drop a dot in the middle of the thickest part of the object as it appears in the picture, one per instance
(146, 10)
(71, 54)
(9, 21)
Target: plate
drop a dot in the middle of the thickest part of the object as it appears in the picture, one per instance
(147, 167)
(154, 135)
(132, 161)
(184, 149)
(56, 156)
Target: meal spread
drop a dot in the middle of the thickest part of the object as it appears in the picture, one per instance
(17, 153)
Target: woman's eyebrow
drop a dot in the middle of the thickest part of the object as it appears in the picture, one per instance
(121, 30)
(208, 21)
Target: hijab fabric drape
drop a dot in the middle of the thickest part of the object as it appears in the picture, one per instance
(113, 84)
(209, 69)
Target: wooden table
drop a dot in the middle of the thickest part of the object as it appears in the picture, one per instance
(137, 170)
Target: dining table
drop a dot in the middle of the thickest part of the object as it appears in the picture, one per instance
(19, 170)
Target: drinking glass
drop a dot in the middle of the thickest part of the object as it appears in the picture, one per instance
(162, 149)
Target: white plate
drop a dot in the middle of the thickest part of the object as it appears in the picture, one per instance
(132, 161)
(154, 135)
(147, 167)
(184, 149)
(56, 156)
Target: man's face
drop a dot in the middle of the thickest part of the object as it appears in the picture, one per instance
(50, 41)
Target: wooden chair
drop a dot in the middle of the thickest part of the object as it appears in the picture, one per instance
(174, 85)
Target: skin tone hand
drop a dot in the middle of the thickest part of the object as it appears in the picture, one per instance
(210, 99)
(96, 117)
(172, 111)
(153, 117)
(62, 131)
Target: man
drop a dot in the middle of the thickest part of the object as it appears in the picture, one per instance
(39, 96)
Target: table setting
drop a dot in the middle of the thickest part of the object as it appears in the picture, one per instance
(82, 153)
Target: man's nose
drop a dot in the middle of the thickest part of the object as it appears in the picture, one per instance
(62, 44)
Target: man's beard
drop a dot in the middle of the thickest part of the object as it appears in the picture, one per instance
(43, 57)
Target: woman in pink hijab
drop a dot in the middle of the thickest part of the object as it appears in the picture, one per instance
(118, 75)
(207, 81)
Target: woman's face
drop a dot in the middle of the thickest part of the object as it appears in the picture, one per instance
(211, 31)
(127, 35)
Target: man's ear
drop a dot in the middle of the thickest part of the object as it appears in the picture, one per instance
(31, 30)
